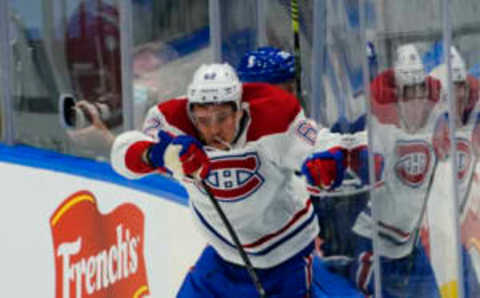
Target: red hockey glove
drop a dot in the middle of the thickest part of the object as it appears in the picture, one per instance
(185, 158)
(181, 156)
(325, 169)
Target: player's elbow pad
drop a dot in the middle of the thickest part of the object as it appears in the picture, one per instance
(119, 150)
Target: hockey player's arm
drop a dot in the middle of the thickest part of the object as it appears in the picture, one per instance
(128, 155)
(291, 147)
(160, 148)
(299, 149)
(301, 138)
(336, 155)
(350, 155)
(129, 150)
(135, 155)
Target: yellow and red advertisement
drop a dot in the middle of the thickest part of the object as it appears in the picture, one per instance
(98, 255)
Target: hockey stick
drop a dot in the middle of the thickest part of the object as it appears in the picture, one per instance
(348, 191)
(233, 234)
(172, 157)
(296, 51)
(464, 200)
(418, 226)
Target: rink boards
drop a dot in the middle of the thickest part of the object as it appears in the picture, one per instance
(71, 227)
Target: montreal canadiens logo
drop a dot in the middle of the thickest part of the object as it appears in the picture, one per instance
(464, 157)
(413, 162)
(235, 177)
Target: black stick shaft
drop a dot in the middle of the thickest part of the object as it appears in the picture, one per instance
(233, 234)
(296, 50)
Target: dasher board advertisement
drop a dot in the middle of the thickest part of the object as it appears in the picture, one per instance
(66, 235)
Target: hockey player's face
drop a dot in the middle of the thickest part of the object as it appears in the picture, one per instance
(412, 92)
(217, 124)
(413, 107)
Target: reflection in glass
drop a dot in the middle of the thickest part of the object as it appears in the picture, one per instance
(279, 33)
(67, 70)
(33, 85)
(465, 88)
(466, 42)
(405, 107)
(168, 44)
(93, 112)
(167, 55)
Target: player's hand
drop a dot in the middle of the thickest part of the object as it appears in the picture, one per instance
(325, 169)
(194, 162)
(182, 156)
(92, 113)
(359, 164)
(156, 153)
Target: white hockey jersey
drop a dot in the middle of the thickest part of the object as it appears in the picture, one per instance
(464, 135)
(409, 166)
(254, 182)
(441, 225)
(466, 157)
(410, 163)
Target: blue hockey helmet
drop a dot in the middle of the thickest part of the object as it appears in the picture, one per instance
(266, 64)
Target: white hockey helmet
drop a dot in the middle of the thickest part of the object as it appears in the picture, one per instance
(459, 70)
(215, 83)
(408, 67)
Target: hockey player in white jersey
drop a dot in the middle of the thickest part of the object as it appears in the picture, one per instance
(465, 96)
(404, 116)
(245, 141)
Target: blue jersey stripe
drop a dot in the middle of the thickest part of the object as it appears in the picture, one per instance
(265, 250)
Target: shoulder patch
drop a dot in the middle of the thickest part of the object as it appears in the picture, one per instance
(307, 131)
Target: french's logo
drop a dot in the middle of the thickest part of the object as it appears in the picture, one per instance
(98, 255)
